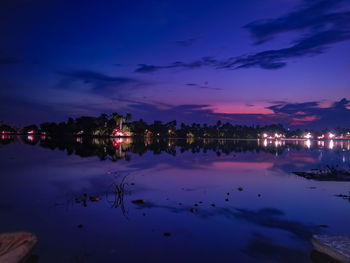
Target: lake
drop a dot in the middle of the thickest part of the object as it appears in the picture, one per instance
(124, 200)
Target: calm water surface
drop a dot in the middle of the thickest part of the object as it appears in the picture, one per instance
(205, 201)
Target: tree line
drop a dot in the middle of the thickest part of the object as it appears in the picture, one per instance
(119, 125)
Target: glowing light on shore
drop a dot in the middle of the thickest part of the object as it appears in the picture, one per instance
(320, 137)
(331, 135)
(118, 132)
(308, 136)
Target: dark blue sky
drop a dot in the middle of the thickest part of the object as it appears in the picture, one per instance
(258, 61)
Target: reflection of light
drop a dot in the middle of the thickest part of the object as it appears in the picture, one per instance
(320, 143)
(265, 143)
(117, 142)
(343, 158)
(30, 138)
(79, 140)
(331, 145)
(308, 143)
(308, 136)
(4, 137)
(320, 156)
(278, 143)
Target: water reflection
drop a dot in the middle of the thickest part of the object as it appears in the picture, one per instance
(118, 148)
(220, 200)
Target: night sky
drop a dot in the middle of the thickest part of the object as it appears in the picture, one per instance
(246, 62)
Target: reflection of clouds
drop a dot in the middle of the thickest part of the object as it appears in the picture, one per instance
(263, 248)
(272, 218)
(253, 165)
(266, 217)
(286, 162)
(302, 156)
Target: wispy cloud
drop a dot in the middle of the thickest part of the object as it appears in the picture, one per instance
(205, 61)
(100, 83)
(319, 23)
(311, 15)
(195, 85)
(312, 114)
(308, 114)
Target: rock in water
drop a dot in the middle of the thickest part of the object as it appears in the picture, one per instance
(337, 247)
(16, 247)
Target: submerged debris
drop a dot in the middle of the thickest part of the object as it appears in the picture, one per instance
(324, 226)
(139, 202)
(94, 198)
(330, 173)
(346, 197)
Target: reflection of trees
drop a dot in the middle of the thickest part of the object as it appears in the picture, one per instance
(116, 149)
(7, 139)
